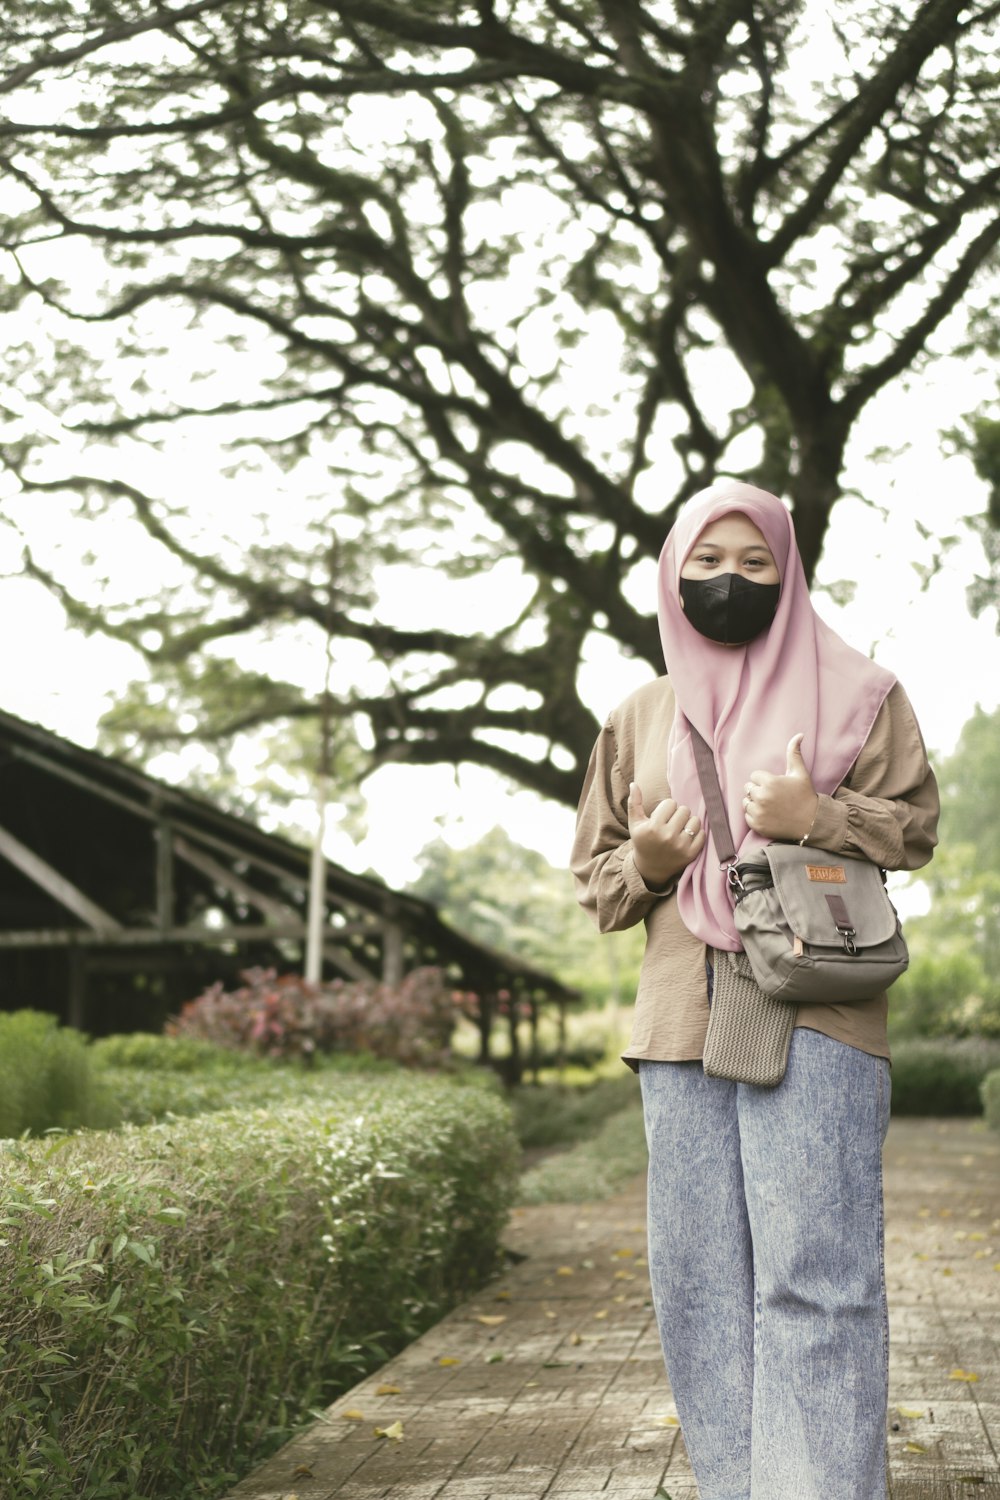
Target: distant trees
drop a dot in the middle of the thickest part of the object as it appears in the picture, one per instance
(953, 984)
(512, 898)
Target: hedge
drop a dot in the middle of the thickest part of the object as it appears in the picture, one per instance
(46, 1076)
(942, 1075)
(990, 1094)
(178, 1076)
(175, 1298)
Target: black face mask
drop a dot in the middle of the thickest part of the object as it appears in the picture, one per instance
(729, 608)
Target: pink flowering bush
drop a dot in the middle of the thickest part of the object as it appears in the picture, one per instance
(285, 1016)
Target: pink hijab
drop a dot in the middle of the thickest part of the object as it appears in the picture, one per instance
(748, 701)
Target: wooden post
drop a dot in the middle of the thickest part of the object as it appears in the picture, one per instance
(164, 875)
(484, 1020)
(515, 1041)
(533, 1016)
(77, 990)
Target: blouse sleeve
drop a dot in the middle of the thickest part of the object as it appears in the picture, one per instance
(608, 885)
(887, 808)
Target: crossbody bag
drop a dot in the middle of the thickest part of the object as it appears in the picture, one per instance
(815, 927)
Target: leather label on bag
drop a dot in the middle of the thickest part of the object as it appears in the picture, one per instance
(828, 874)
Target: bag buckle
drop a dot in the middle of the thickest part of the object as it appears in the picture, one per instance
(848, 934)
(734, 880)
(842, 922)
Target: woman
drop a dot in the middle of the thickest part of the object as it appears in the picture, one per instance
(765, 1204)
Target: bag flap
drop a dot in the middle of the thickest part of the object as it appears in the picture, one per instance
(805, 878)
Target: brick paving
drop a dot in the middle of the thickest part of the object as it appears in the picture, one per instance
(550, 1383)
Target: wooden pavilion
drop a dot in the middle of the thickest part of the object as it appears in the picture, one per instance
(122, 896)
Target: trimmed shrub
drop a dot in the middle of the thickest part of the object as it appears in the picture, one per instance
(941, 1077)
(989, 1091)
(226, 1080)
(176, 1298)
(46, 1079)
(286, 1016)
(166, 1054)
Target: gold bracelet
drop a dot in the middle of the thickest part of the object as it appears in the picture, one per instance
(805, 837)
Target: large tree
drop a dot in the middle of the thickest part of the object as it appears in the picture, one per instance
(510, 278)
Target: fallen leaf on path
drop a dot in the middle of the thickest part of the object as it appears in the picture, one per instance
(624, 1254)
(565, 1271)
(502, 1297)
(624, 1276)
(668, 1421)
(550, 1314)
(494, 1359)
(909, 1411)
(302, 1471)
(394, 1432)
(602, 1313)
(914, 1448)
(491, 1320)
(575, 1339)
(447, 1359)
(388, 1390)
(353, 1415)
(965, 1375)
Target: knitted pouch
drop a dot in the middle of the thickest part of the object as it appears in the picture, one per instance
(748, 1033)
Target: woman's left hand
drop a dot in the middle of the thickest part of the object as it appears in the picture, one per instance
(782, 807)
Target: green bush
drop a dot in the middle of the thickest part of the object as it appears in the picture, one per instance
(596, 1168)
(941, 1076)
(989, 1091)
(46, 1078)
(176, 1298)
(217, 1078)
(554, 1115)
(168, 1054)
(944, 993)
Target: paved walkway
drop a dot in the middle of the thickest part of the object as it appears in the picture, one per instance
(550, 1383)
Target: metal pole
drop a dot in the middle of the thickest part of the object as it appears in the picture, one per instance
(317, 872)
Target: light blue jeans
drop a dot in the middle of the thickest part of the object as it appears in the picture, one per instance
(767, 1266)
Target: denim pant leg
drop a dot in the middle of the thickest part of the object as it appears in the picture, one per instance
(812, 1164)
(700, 1267)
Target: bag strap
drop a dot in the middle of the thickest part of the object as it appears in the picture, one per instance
(718, 821)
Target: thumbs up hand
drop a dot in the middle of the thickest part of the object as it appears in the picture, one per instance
(664, 840)
(782, 807)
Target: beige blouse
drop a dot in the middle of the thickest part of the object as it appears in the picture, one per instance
(886, 809)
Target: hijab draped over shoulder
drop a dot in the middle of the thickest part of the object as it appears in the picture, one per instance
(748, 701)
